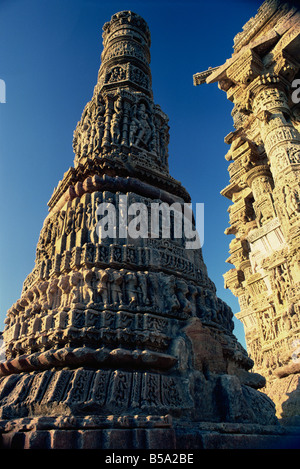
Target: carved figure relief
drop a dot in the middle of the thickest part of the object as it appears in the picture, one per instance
(292, 201)
(116, 121)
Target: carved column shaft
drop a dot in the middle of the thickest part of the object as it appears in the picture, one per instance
(281, 139)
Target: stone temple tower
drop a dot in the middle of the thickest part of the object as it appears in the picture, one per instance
(119, 341)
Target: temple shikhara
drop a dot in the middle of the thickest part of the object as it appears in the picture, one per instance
(261, 79)
(121, 341)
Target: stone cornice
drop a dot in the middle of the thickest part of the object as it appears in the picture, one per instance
(200, 78)
(268, 9)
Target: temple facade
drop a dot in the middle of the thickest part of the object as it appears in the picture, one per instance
(261, 79)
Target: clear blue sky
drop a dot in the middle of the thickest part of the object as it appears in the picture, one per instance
(50, 56)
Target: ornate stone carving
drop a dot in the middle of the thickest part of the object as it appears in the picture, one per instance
(259, 80)
(125, 330)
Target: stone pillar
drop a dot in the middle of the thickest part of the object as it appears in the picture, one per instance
(282, 145)
(259, 80)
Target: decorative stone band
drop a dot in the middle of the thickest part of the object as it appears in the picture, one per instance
(66, 313)
(278, 134)
(88, 422)
(86, 356)
(87, 391)
(269, 98)
(90, 255)
(78, 328)
(113, 184)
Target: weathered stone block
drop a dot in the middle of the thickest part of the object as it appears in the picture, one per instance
(160, 438)
(64, 439)
(118, 439)
(91, 439)
(37, 440)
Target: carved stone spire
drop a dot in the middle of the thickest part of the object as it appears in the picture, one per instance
(118, 339)
(126, 55)
(121, 129)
